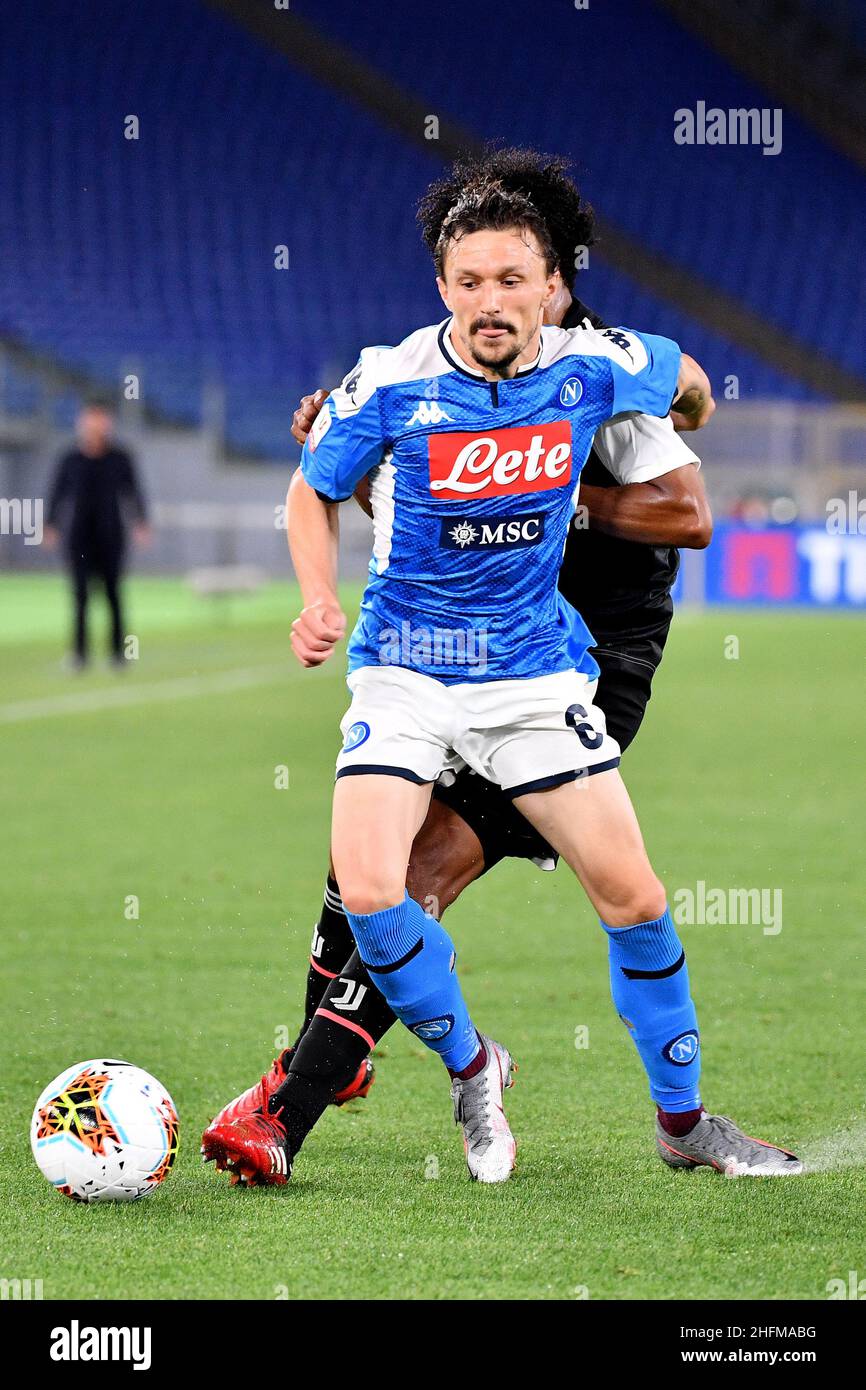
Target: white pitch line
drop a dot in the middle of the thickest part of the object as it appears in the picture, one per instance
(121, 697)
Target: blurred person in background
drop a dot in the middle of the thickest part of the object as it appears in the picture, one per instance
(94, 494)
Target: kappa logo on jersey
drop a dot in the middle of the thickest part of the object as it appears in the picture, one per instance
(356, 735)
(458, 533)
(428, 413)
(622, 340)
(351, 383)
(526, 458)
(571, 393)
(433, 1028)
(682, 1049)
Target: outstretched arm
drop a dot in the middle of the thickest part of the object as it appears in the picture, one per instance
(313, 528)
(345, 443)
(302, 422)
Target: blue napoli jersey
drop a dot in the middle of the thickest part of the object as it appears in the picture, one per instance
(473, 485)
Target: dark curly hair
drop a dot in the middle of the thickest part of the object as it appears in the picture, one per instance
(512, 187)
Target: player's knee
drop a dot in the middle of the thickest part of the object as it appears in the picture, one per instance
(365, 895)
(640, 900)
(368, 882)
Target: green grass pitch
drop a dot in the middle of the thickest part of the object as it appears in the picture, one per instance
(159, 783)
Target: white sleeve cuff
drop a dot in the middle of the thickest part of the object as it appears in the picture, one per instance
(636, 448)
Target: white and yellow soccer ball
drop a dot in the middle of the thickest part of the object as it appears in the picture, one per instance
(104, 1131)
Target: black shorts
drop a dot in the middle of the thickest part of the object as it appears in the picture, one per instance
(624, 687)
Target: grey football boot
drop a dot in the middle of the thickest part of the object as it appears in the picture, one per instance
(487, 1139)
(717, 1142)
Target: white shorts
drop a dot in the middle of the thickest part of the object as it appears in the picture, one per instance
(524, 735)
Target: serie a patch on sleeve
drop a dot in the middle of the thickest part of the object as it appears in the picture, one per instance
(321, 425)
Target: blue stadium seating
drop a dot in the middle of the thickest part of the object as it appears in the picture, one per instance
(786, 234)
(157, 254)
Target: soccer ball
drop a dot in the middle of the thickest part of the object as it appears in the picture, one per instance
(104, 1132)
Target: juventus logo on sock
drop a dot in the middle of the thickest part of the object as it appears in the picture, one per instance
(351, 1000)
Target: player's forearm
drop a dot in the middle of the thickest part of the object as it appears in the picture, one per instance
(654, 512)
(313, 530)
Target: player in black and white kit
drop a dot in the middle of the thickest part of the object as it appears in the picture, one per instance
(618, 571)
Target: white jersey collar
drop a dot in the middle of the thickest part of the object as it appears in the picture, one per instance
(457, 361)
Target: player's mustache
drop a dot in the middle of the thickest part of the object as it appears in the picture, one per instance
(480, 323)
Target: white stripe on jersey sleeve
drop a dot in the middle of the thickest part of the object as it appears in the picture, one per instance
(636, 448)
(415, 358)
(382, 503)
(356, 389)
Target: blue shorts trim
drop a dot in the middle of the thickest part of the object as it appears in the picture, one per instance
(558, 779)
(382, 770)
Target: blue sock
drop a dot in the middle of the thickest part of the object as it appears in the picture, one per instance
(411, 959)
(650, 987)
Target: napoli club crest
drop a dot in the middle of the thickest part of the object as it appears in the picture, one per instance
(682, 1049)
(571, 392)
(356, 735)
(431, 1029)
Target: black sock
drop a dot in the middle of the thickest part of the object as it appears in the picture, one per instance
(351, 1019)
(300, 1103)
(331, 947)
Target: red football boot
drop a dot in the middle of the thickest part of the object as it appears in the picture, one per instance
(253, 1149)
(251, 1144)
(359, 1086)
(256, 1097)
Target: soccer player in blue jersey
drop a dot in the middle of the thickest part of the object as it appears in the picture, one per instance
(477, 427)
(474, 433)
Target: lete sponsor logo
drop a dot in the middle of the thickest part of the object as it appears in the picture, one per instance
(527, 458)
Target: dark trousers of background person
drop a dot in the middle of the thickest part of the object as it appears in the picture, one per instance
(106, 566)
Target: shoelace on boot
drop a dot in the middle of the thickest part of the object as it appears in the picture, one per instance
(264, 1128)
(474, 1117)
